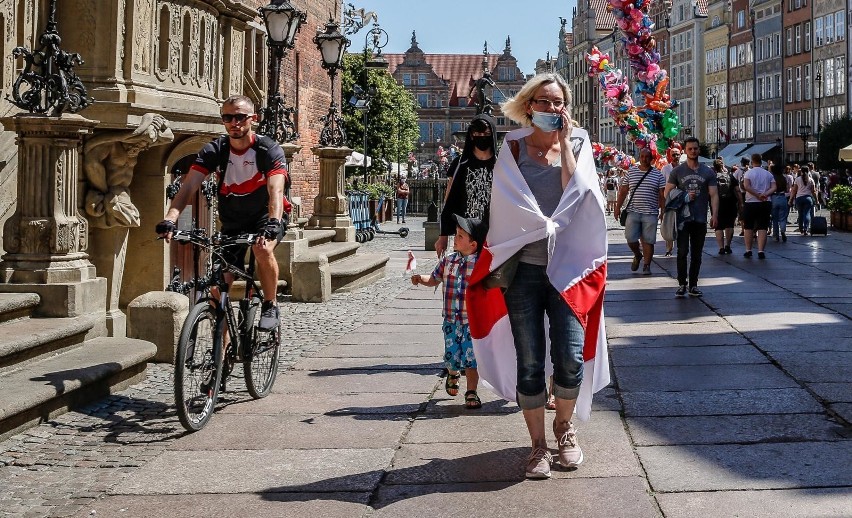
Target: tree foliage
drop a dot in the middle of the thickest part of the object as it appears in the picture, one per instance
(835, 135)
(392, 129)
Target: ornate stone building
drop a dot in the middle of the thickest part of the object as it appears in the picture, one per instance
(443, 86)
(158, 70)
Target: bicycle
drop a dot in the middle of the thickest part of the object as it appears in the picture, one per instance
(202, 363)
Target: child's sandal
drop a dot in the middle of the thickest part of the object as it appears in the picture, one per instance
(452, 388)
(471, 400)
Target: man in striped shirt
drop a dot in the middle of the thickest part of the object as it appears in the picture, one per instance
(643, 194)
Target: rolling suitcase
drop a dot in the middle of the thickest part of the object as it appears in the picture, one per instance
(819, 225)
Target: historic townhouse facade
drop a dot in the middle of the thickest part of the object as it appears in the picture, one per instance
(444, 87)
(686, 50)
(715, 108)
(741, 74)
(830, 61)
(798, 78)
(768, 69)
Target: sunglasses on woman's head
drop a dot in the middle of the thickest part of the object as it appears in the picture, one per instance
(239, 117)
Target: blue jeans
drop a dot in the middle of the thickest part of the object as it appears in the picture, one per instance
(780, 209)
(804, 205)
(401, 205)
(528, 299)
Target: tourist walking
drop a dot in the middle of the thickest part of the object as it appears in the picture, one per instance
(803, 196)
(470, 176)
(698, 184)
(642, 198)
(780, 209)
(730, 205)
(453, 271)
(758, 184)
(673, 155)
(402, 191)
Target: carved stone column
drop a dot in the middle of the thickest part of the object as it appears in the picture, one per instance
(290, 151)
(46, 238)
(331, 209)
(294, 242)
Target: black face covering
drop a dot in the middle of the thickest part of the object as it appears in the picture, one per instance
(483, 142)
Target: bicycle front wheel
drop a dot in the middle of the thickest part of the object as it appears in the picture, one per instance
(263, 348)
(197, 373)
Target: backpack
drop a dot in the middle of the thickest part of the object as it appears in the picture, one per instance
(723, 185)
(610, 184)
(262, 145)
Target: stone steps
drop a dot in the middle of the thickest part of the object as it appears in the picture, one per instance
(318, 237)
(357, 271)
(49, 365)
(335, 251)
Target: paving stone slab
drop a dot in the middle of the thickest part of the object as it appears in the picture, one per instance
(607, 454)
(424, 318)
(341, 366)
(809, 317)
(614, 497)
(263, 505)
(258, 471)
(678, 340)
(648, 294)
(701, 355)
(787, 503)
(844, 410)
(429, 350)
(432, 303)
(833, 392)
(666, 310)
(406, 326)
(260, 432)
(367, 403)
(753, 466)
(701, 377)
(843, 309)
(741, 429)
(353, 382)
(816, 367)
(433, 335)
(720, 402)
(803, 339)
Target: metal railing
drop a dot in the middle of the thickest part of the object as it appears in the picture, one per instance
(422, 192)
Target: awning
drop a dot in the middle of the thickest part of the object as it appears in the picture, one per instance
(845, 153)
(760, 148)
(732, 150)
(705, 160)
(356, 159)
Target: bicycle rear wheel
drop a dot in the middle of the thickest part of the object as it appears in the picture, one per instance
(260, 366)
(197, 373)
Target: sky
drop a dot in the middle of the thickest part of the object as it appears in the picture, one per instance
(462, 26)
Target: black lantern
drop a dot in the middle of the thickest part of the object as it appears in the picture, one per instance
(47, 82)
(331, 44)
(805, 134)
(282, 22)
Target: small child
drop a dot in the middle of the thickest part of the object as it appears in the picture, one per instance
(454, 271)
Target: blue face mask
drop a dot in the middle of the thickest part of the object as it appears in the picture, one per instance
(547, 121)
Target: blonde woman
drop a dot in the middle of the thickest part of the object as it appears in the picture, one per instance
(544, 153)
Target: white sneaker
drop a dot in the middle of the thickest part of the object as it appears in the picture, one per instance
(538, 463)
(570, 454)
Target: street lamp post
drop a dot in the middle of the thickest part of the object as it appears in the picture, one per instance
(818, 80)
(282, 22)
(805, 134)
(713, 100)
(331, 44)
(374, 41)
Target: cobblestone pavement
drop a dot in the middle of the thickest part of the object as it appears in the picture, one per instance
(56, 467)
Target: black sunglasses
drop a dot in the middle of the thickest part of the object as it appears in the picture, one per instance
(239, 117)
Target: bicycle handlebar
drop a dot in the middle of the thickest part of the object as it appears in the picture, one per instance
(199, 237)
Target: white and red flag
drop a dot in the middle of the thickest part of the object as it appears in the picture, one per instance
(577, 245)
(411, 265)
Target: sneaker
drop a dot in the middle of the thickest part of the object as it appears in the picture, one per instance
(681, 292)
(695, 292)
(269, 316)
(761, 255)
(747, 255)
(570, 455)
(728, 250)
(646, 269)
(722, 251)
(635, 264)
(783, 238)
(538, 463)
(668, 253)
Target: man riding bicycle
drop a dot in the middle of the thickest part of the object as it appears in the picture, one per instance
(252, 178)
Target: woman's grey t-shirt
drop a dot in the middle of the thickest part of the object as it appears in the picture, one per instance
(545, 182)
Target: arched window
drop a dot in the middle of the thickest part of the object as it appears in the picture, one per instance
(202, 70)
(165, 23)
(184, 53)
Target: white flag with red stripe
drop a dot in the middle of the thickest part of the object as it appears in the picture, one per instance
(577, 243)
(411, 265)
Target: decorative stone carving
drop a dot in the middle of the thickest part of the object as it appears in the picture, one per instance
(330, 206)
(144, 13)
(109, 160)
(45, 238)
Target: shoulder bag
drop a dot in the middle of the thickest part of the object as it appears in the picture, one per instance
(622, 218)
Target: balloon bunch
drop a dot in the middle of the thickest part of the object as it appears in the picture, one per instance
(654, 124)
(608, 155)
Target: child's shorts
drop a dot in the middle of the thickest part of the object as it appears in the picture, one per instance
(458, 346)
